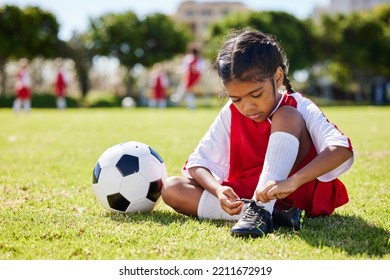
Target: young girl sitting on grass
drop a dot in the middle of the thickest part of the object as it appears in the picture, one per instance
(271, 148)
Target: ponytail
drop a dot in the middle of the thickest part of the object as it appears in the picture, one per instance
(286, 80)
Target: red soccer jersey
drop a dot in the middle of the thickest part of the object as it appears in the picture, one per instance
(23, 90)
(158, 88)
(234, 149)
(193, 73)
(60, 84)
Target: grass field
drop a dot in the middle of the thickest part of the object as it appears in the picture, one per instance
(48, 209)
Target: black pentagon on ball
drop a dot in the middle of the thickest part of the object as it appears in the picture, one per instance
(155, 154)
(154, 192)
(128, 165)
(96, 173)
(118, 202)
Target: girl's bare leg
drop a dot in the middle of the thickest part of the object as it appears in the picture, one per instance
(182, 194)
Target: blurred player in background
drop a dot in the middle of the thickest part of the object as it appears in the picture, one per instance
(159, 84)
(23, 88)
(60, 87)
(193, 68)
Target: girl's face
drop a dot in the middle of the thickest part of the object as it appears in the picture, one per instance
(255, 100)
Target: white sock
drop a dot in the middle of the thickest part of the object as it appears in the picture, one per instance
(17, 105)
(210, 208)
(61, 102)
(279, 159)
(190, 100)
(179, 94)
(27, 105)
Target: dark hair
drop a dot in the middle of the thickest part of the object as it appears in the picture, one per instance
(251, 55)
(194, 51)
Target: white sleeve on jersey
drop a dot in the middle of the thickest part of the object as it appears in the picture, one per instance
(323, 134)
(24, 81)
(164, 80)
(213, 150)
(27, 80)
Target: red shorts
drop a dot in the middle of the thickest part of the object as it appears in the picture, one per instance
(24, 93)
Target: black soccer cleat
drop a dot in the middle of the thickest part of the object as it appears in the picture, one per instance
(291, 217)
(255, 222)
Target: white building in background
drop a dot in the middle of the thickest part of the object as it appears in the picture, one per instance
(199, 15)
(347, 6)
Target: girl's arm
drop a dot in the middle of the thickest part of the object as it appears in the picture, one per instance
(324, 135)
(326, 161)
(226, 196)
(213, 150)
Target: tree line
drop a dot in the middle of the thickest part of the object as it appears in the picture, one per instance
(350, 50)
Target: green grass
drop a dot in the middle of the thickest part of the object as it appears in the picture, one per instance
(49, 211)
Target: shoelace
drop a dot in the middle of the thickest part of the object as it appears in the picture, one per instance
(252, 213)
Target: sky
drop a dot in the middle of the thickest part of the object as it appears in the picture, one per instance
(73, 15)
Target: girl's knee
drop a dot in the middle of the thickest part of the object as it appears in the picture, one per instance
(288, 119)
(171, 188)
(172, 183)
(182, 194)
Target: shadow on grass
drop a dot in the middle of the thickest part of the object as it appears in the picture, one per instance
(349, 234)
(163, 218)
(160, 217)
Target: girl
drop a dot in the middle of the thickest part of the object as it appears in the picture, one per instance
(273, 149)
(159, 83)
(193, 68)
(23, 88)
(60, 87)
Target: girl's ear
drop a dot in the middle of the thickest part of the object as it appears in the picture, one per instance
(279, 77)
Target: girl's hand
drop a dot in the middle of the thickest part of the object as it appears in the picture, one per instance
(227, 198)
(275, 190)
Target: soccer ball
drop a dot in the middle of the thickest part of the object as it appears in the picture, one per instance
(128, 178)
(128, 102)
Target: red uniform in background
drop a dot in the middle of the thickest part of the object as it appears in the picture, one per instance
(60, 89)
(193, 72)
(60, 84)
(23, 88)
(192, 68)
(159, 83)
